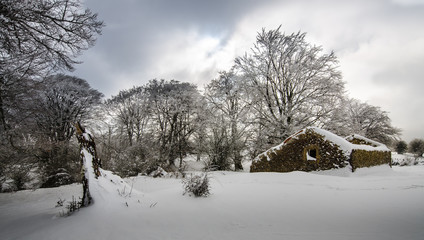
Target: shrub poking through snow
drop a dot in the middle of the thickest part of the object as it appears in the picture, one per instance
(197, 185)
(73, 206)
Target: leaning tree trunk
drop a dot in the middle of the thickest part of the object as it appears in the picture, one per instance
(88, 153)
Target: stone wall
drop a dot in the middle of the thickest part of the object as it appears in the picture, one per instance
(291, 156)
(364, 158)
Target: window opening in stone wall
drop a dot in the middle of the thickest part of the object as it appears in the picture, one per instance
(311, 154)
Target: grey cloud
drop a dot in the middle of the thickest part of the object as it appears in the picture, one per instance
(136, 32)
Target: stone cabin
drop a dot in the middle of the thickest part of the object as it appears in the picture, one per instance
(316, 149)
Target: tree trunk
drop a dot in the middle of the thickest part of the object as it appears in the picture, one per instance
(87, 143)
(237, 162)
(2, 115)
(235, 150)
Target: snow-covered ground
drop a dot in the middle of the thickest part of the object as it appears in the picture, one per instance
(376, 203)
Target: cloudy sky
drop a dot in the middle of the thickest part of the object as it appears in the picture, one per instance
(379, 43)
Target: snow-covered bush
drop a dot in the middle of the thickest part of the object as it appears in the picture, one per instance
(127, 161)
(407, 159)
(16, 178)
(219, 151)
(8, 186)
(59, 163)
(198, 185)
(59, 178)
(159, 172)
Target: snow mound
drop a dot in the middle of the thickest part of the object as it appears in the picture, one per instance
(108, 188)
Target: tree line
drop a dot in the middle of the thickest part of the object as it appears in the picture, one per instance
(281, 85)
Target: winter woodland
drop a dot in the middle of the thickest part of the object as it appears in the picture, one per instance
(279, 86)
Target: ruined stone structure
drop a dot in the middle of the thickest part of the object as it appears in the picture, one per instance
(316, 149)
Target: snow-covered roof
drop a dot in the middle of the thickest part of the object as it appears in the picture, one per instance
(346, 146)
(364, 139)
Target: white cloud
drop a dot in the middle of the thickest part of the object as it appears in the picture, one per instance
(409, 2)
(189, 56)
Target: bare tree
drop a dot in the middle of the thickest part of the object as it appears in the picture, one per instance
(230, 108)
(294, 82)
(152, 125)
(43, 124)
(371, 122)
(354, 116)
(175, 111)
(416, 146)
(401, 147)
(63, 101)
(125, 131)
(45, 34)
(131, 109)
(37, 37)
